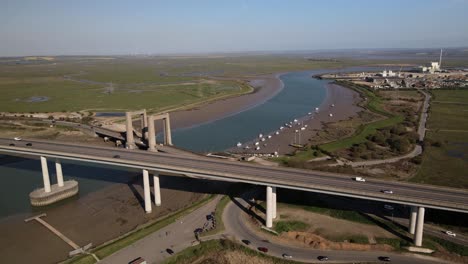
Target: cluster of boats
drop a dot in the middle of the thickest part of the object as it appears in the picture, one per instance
(291, 124)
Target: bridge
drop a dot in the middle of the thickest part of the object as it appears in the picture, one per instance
(417, 196)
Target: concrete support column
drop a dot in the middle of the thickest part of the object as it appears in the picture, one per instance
(144, 132)
(45, 174)
(418, 236)
(147, 191)
(58, 171)
(168, 134)
(151, 135)
(130, 140)
(273, 198)
(157, 190)
(412, 219)
(269, 204)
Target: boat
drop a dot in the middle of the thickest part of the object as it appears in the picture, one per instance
(330, 114)
(277, 132)
(239, 144)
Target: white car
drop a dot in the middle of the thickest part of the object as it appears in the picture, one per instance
(17, 138)
(359, 179)
(388, 207)
(450, 233)
(287, 256)
(387, 191)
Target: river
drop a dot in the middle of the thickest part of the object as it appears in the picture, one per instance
(300, 95)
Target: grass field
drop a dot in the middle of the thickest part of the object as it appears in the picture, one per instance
(374, 104)
(156, 83)
(448, 124)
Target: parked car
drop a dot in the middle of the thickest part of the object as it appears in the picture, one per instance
(263, 249)
(450, 233)
(322, 258)
(245, 241)
(287, 256)
(387, 191)
(384, 258)
(116, 156)
(138, 260)
(169, 251)
(388, 207)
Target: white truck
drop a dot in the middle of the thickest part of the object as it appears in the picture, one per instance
(359, 179)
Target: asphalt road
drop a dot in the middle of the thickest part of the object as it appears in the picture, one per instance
(234, 222)
(404, 193)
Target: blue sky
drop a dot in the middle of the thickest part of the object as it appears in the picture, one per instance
(63, 27)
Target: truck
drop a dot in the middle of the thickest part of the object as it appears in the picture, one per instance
(359, 179)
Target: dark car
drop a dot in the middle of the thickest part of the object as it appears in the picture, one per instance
(198, 230)
(138, 260)
(11, 144)
(322, 258)
(169, 251)
(384, 258)
(28, 144)
(116, 156)
(245, 241)
(263, 249)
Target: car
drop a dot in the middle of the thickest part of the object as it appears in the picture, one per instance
(245, 241)
(287, 256)
(450, 233)
(28, 144)
(17, 138)
(322, 258)
(198, 230)
(169, 251)
(384, 258)
(116, 156)
(359, 179)
(138, 260)
(387, 191)
(11, 144)
(263, 249)
(388, 207)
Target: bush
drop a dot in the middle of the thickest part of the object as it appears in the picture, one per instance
(417, 160)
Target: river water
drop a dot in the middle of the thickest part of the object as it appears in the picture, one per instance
(300, 95)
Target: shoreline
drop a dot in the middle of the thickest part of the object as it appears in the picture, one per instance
(345, 103)
(265, 88)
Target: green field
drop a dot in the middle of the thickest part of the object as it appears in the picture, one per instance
(374, 104)
(155, 83)
(446, 162)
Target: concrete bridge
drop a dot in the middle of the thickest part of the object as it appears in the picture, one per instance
(417, 196)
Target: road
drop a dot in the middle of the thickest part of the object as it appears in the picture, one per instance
(176, 236)
(234, 222)
(210, 168)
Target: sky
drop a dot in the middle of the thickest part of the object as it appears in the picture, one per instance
(102, 27)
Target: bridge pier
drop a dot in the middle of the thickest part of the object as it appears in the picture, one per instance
(130, 144)
(144, 125)
(45, 174)
(273, 197)
(157, 190)
(151, 134)
(58, 171)
(146, 191)
(270, 206)
(167, 131)
(418, 235)
(412, 219)
(56, 192)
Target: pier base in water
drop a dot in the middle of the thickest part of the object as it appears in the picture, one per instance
(41, 198)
